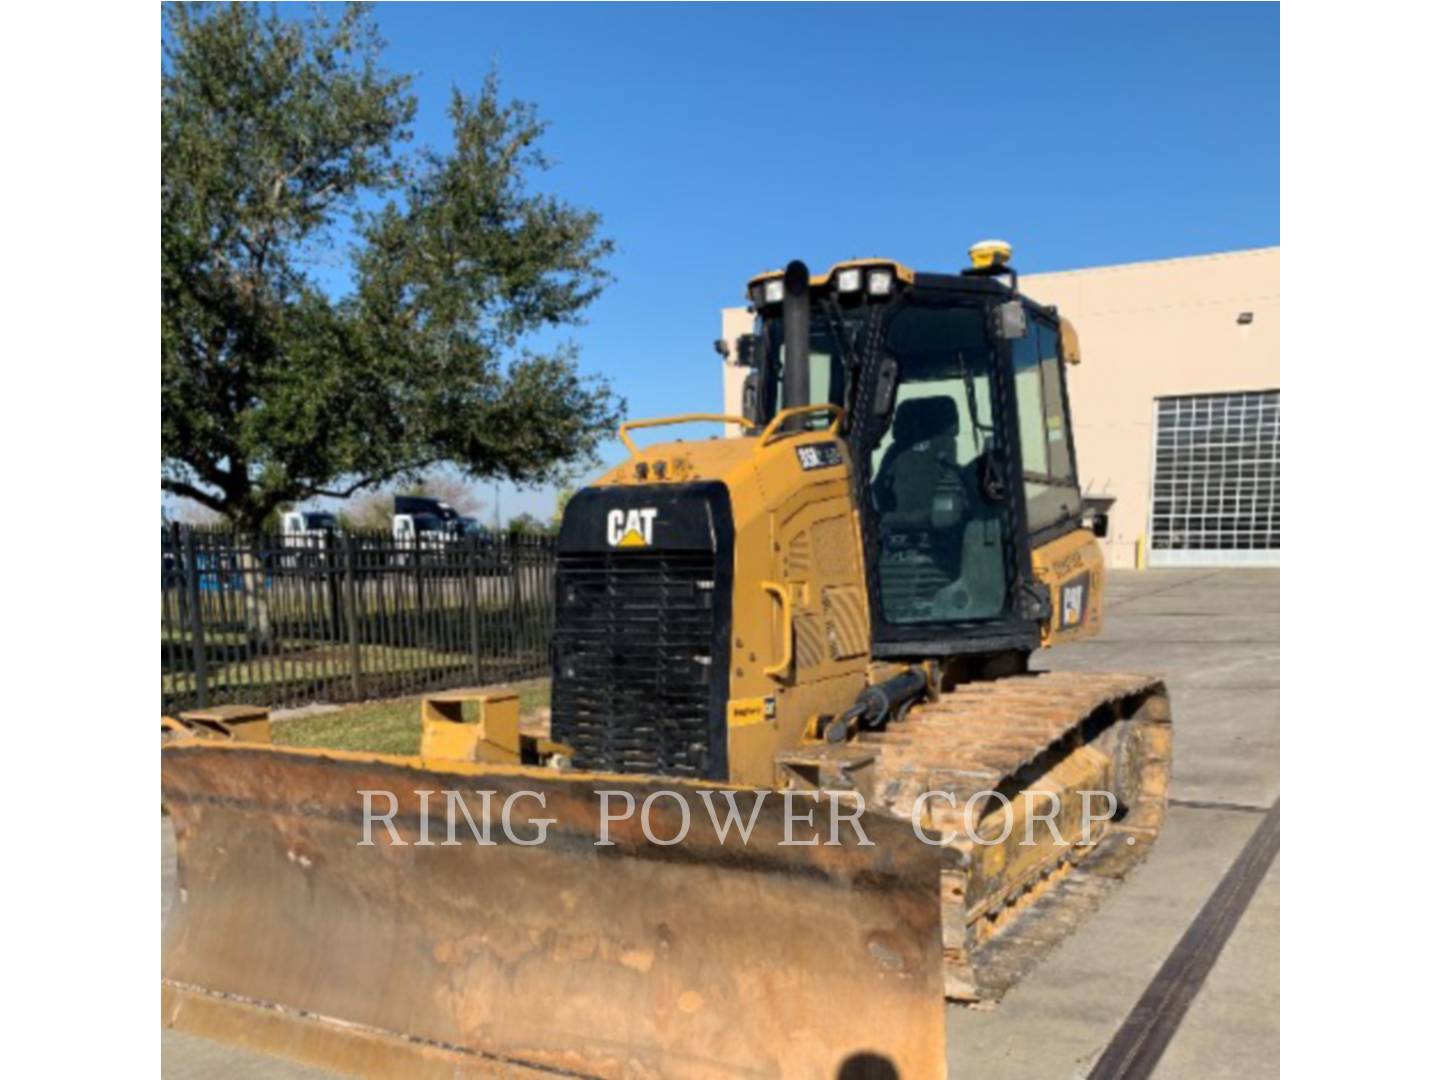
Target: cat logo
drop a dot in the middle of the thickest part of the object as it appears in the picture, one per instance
(631, 528)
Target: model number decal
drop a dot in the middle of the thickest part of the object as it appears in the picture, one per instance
(819, 455)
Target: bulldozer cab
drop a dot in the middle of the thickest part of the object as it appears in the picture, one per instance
(957, 420)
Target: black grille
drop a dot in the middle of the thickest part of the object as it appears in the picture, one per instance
(635, 650)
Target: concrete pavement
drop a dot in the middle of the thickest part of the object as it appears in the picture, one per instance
(1215, 636)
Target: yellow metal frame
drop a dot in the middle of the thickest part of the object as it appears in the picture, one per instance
(773, 428)
(493, 735)
(668, 421)
(767, 436)
(242, 723)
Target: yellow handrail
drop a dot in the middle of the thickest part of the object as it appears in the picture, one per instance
(773, 428)
(665, 421)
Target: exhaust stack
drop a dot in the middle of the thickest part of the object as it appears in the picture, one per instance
(796, 314)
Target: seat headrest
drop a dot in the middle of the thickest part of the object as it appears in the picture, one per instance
(920, 419)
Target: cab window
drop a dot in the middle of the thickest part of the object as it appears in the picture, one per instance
(942, 557)
(826, 360)
(1052, 494)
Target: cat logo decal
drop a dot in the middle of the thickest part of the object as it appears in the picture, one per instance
(631, 528)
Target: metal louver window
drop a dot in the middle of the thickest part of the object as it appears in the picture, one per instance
(1215, 492)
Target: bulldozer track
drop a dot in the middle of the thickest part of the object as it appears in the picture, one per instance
(1009, 736)
(986, 743)
(978, 736)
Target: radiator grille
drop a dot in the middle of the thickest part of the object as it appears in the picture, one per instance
(634, 653)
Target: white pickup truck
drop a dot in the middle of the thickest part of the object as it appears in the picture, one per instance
(307, 528)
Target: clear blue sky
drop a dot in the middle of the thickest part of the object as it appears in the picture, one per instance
(720, 140)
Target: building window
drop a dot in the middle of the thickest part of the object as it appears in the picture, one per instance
(1215, 494)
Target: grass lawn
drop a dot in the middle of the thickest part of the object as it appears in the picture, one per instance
(391, 726)
(313, 662)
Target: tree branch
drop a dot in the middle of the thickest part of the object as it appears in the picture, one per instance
(372, 480)
(195, 494)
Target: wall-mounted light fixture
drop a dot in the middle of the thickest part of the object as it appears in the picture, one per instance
(1245, 318)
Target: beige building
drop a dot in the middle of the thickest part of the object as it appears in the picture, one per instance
(1176, 402)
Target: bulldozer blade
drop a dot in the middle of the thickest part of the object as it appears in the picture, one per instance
(709, 957)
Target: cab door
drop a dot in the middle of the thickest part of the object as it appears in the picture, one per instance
(1066, 559)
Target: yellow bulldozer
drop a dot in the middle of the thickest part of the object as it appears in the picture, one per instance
(800, 785)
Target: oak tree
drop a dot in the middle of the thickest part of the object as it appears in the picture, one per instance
(339, 309)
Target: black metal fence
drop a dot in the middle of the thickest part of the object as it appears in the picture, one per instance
(283, 620)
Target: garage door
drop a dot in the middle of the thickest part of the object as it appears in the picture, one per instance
(1215, 496)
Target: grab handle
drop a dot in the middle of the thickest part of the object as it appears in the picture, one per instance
(781, 667)
(772, 429)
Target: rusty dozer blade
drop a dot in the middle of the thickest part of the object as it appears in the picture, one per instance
(711, 957)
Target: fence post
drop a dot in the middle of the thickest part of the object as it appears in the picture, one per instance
(332, 584)
(197, 623)
(517, 604)
(177, 575)
(352, 618)
(472, 592)
(418, 622)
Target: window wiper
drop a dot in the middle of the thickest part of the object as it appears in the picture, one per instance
(972, 405)
(992, 484)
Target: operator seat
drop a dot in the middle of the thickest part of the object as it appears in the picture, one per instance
(942, 557)
(920, 460)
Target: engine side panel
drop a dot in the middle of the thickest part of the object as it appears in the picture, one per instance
(802, 617)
